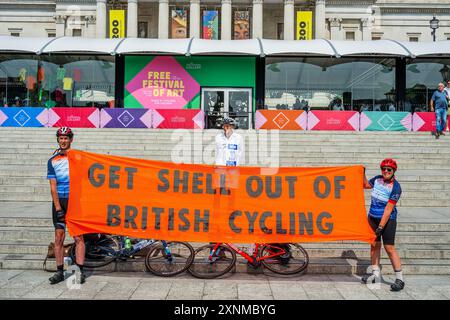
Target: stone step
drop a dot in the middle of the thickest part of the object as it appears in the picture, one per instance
(325, 265)
(424, 201)
(46, 222)
(314, 251)
(206, 139)
(50, 132)
(285, 155)
(42, 184)
(12, 234)
(284, 162)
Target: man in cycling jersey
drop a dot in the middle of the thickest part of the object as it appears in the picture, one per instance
(58, 175)
(229, 145)
(382, 217)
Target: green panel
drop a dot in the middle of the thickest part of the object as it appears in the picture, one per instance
(207, 71)
(384, 121)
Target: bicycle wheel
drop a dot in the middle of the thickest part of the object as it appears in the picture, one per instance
(289, 258)
(206, 266)
(158, 262)
(100, 250)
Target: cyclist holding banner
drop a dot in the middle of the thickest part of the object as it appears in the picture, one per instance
(383, 220)
(58, 175)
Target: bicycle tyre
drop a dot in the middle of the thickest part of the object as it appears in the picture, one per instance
(290, 266)
(157, 257)
(93, 257)
(203, 268)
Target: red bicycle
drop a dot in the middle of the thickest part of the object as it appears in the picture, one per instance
(215, 260)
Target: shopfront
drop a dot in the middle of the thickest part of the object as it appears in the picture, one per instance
(195, 83)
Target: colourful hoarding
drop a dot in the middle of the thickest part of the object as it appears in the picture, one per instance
(178, 119)
(385, 121)
(210, 25)
(424, 121)
(281, 119)
(23, 117)
(125, 118)
(333, 120)
(175, 82)
(74, 117)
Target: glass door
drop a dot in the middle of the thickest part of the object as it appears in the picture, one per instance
(235, 103)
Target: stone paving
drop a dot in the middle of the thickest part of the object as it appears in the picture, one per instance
(32, 284)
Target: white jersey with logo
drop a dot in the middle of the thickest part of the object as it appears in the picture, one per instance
(229, 151)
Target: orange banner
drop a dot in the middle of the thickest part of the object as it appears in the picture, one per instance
(200, 203)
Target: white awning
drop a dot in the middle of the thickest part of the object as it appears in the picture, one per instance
(318, 47)
(246, 47)
(301, 47)
(376, 47)
(82, 45)
(153, 46)
(23, 44)
(419, 49)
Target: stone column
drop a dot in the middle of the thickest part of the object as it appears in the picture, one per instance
(335, 28)
(226, 20)
(366, 33)
(132, 19)
(194, 20)
(289, 20)
(257, 27)
(60, 21)
(90, 26)
(320, 19)
(163, 21)
(101, 19)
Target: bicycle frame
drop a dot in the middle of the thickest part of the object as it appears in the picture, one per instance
(253, 259)
(138, 247)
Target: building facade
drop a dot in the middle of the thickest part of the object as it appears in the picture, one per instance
(402, 20)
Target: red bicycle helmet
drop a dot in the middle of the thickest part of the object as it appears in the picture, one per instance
(64, 131)
(388, 162)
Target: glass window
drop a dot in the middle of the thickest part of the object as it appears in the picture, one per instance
(280, 31)
(422, 79)
(57, 80)
(18, 80)
(360, 84)
(76, 32)
(350, 35)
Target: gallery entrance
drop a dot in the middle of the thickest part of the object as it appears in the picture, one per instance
(235, 103)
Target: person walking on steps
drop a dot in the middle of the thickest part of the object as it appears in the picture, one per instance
(439, 104)
(382, 217)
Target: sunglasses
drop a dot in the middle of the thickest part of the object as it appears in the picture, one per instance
(387, 169)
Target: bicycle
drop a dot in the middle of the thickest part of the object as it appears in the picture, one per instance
(215, 260)
(163, 258)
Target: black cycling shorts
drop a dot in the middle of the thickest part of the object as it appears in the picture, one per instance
(388, 234)
(63, 202)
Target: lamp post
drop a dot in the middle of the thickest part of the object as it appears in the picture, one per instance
(434, 24)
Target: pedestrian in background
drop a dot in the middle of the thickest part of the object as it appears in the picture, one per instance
(439, 105)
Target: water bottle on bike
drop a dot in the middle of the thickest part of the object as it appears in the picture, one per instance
(128, 245)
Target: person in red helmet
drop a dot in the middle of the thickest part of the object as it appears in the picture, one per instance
(386, 192)
(58, 175)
